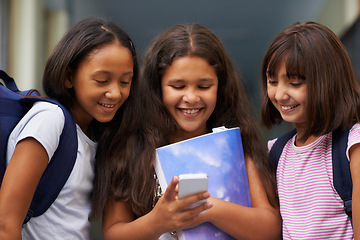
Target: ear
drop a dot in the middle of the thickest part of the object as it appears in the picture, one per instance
(68, 83)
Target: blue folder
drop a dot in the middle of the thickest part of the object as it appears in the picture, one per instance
(218, 154)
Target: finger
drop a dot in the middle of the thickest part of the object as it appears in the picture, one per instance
(194, 200)
(177, 188)
(170, 192)
(195, 212)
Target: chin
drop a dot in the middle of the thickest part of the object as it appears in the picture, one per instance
(104, 120)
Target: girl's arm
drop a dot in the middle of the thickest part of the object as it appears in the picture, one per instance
(21, 177)
(261, 221)
(168, 215)
(354, 154)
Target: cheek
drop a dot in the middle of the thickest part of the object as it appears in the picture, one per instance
(214, 99)
(270, 92)
(211, 99)
(126, 94)
(304, 97)
(169, 97)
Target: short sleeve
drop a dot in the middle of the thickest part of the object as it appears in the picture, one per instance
(354, 138)
(43, 122)
(271, 143)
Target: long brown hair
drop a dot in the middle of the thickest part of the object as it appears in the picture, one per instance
(232, 110)
(85, 37)
(314, 53)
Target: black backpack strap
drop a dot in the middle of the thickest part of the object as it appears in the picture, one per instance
(341, 169)
(279, 145)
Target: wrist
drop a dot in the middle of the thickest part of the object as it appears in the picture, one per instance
(154, 223)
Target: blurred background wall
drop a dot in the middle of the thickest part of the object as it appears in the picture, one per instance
(29, 30)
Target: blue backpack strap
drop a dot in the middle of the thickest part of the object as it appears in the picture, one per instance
(10, 84)
(341, 169)
(13, 107)
(59, 168)
(277, 148)
(63, 160)
(9, 81)
(341, 166)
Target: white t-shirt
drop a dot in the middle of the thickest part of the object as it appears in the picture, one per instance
(67, 217)
(167, 236)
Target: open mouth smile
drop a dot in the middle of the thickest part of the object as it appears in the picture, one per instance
(190, 111)
(107, 105)
(287, 108)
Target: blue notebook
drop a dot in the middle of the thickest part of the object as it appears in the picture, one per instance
(218, 154)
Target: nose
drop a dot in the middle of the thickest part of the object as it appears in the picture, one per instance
(113, 91)
(281, 93)
(191, 96)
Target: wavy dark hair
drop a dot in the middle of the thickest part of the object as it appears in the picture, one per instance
(133, 180)
(314, 53)
(78, 43)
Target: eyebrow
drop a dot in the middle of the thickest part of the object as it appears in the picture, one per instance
(109, 73)
(128, 73)
(173, 81)
(206, 80)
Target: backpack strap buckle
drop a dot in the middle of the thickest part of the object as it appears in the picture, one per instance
(28, 216)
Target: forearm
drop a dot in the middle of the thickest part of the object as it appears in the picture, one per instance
(22, 175)
(245, 223)
(9, 230)
(145, 227)
(168, 215)
(356, 215)
(354, 154)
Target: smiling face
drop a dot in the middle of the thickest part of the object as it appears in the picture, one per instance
(189, 87)
(101, 84)
(288, 95)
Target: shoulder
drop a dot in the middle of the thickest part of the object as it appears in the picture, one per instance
(42, 106)
(283, 140)
(271, 143)
(354, 134)
(46, 112)
(355, 130)
(43, 122)
(354, 137)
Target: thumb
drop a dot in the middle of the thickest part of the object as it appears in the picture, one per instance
(170, 192)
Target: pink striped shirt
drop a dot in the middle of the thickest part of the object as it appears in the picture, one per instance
(309, 204)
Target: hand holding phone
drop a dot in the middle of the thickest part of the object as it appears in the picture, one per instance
(190, 184)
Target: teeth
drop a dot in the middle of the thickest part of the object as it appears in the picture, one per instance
(289, 107)
(190, 111)
(107, 105)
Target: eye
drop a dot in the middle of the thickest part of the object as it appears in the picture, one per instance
(296, 84)
(178, 87)
(204, 87)
(271, 81)
(101, 81)
(124, 82)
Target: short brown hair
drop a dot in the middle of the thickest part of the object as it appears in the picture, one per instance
(313, 52)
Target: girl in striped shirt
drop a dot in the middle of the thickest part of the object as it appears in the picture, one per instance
(308, 80)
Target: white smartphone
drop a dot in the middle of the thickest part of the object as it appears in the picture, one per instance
(193, 183)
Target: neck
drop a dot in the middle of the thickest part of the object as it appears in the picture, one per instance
(182, 135)
(306, 142)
